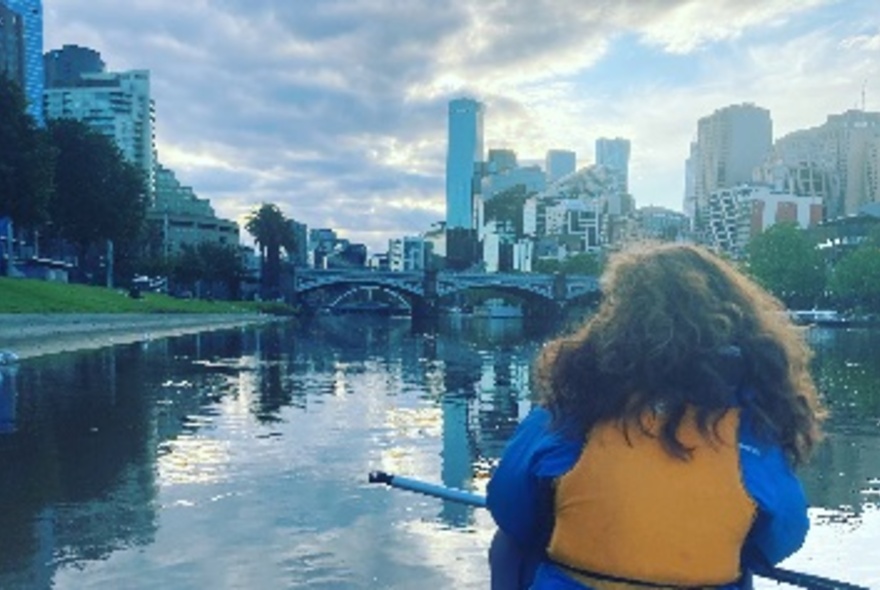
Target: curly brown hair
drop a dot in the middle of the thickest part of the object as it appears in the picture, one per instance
(681, 329)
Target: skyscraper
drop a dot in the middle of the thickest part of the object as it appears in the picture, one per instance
(614, 154)
(731, 143)
(11, 44)
(117, 104)
(30, 13)
(464, 158)
(559, 163)
(845, 150)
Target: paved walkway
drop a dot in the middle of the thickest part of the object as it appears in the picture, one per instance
(29, 335)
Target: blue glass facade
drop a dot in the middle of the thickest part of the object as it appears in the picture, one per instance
(464, 156)
(31, 12)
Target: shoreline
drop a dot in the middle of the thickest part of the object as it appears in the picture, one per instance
(28, 335)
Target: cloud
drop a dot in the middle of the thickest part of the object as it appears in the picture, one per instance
(336, 109)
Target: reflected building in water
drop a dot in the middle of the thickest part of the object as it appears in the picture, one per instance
(92, 439)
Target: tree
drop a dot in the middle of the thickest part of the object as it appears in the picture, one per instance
(223, 263)
(98, 195)
(785, 260)
(546, 266)
(507, 208)
(855, 280)
(585, 263)
(26, 160)
(272, 232)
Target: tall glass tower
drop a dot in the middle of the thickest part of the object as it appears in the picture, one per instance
(614, 153)
(31, 13)
(464, 156)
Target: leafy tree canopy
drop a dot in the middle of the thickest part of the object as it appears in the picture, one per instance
(26, 160)
(784, 259)
(99, 196)
(272, 231)
(507, 207)
(585, 263)
(855, 281)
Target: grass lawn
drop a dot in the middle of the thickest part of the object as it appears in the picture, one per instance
(35, 296)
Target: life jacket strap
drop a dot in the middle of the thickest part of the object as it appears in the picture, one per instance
(587, 576)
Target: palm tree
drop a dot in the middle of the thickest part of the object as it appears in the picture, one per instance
(272, 231)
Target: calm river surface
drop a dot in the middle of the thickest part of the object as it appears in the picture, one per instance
(239, 459)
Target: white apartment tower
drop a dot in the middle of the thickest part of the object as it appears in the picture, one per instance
(116, 104)
(464, 161)
(731, 143)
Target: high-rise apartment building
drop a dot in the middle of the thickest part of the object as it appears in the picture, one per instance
(21, 50)
(464, 162)
(116, 104)
(614, 154)
(738, 214)
(559, 163)
(845, 148)
(731, 143)
(66, 66)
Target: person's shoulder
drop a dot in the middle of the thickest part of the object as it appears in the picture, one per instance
(556, 447)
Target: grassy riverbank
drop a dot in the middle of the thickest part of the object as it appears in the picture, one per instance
(34, 296)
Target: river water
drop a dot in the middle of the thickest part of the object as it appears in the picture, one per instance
(239, 459)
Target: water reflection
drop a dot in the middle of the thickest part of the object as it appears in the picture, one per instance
(848, 375)
(8, 398)
(147, 462)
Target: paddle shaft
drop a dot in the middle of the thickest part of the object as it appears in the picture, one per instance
(808, 581)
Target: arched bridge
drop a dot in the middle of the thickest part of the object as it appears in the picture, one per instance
(425, 288)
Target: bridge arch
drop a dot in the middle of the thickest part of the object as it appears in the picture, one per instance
(404, 301)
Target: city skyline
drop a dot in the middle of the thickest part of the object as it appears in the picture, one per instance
(337, 111)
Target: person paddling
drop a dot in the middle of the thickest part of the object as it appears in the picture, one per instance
(662, 450)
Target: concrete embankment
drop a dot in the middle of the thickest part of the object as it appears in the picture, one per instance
(30, 335)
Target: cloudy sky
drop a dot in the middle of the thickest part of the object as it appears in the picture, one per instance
(335, 110)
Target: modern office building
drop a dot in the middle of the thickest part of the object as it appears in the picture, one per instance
(464, 162)
(66, 66)
(299, 257)
(11, 44)
(731, 143)
(614, 154)
(179, 217)
(846, 148)
(21, 50)
(116, 104)
(408, 253)
(501, 160)
(559, 163)
(660, 223)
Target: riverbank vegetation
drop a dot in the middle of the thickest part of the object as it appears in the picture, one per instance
(807, 270)
(73, 198)
(36, 296)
